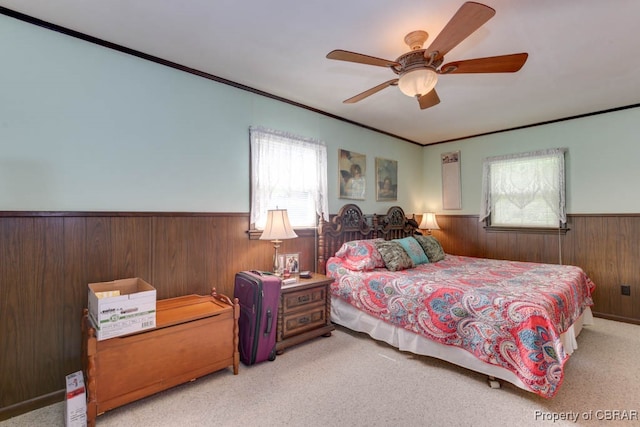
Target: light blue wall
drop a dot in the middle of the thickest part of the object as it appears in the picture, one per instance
(86, 128)
(602, 164)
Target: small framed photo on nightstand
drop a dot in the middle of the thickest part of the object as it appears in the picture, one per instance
(292, 263)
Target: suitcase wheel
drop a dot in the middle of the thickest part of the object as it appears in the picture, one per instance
(272, 355)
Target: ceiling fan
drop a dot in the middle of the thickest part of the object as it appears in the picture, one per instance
(419, 68)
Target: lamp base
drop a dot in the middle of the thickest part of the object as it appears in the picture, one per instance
(276, 261)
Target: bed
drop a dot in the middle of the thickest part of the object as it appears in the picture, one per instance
(515, 321)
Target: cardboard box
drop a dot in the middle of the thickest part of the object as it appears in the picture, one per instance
(122, 307)
(75, 401)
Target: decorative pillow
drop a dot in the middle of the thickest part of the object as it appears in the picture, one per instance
(431, 247)
(360, 255)
(394, 256)
(414, 250)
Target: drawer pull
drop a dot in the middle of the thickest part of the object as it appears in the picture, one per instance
(304, 298)
(304, 320)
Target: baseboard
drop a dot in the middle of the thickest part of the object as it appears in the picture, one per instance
(617, 318)
(31, 404)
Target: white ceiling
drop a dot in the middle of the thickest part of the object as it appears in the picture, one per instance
(583, 55)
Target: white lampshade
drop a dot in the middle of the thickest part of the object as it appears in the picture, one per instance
(278, 226)
(419, 81)
(429, 222)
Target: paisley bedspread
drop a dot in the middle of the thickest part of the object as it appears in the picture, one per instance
(505, 313)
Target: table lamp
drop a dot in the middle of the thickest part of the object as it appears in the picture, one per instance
(277, 229)
(428, 222)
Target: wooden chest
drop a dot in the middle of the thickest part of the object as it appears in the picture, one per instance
(194, 336)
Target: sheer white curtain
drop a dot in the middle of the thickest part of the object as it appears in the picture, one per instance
(526, 189)
(288, 172)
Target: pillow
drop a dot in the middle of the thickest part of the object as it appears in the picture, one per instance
(394, 256)
(431, 247)
(414, 250)
(360, 255)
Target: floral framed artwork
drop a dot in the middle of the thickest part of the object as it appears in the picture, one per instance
(386, 180)
(352, 174)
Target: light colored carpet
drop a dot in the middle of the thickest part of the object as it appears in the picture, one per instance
(351, 380)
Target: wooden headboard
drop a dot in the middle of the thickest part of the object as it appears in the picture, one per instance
(351, 224)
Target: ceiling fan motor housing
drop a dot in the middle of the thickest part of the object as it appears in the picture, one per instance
(415, 59)
(418, 75)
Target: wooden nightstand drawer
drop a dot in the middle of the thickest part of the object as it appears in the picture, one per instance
(297, 299)
(303, 321)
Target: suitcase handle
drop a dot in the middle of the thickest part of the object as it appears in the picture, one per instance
(262, 273)
(269, 322)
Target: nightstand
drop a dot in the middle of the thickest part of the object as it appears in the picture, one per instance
(304, 311)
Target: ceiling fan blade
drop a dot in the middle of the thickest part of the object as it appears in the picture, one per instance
(494, 64)
(429, 100)
(370, 92)
(467, 19)
(344, 55)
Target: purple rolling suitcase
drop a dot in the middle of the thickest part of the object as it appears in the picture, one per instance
(259, 296)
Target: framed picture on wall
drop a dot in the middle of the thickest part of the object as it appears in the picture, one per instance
(352, 174)
(386, 180)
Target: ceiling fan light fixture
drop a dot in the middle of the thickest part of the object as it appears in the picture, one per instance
(419, 81)
(418, 69)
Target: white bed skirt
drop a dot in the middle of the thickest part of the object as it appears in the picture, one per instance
(348, 316)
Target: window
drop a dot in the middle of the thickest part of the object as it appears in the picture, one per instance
(287, 172)
(524, 190)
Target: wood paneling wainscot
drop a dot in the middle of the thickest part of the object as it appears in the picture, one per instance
(48, 258)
